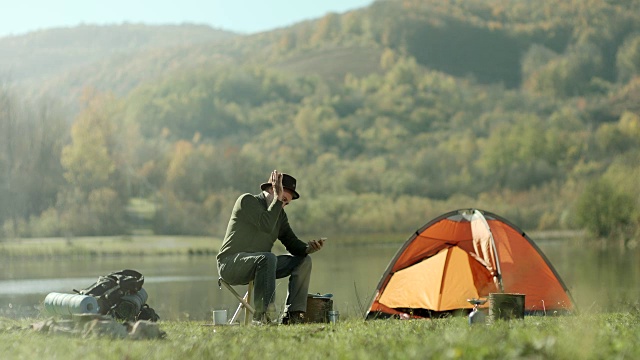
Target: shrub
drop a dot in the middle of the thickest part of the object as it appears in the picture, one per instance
(603, 210)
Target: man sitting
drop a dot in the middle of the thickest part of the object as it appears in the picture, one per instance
(256, 222)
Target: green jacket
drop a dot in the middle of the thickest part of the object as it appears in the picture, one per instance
(254, 226)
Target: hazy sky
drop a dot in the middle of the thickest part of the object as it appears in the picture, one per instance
(244, 16)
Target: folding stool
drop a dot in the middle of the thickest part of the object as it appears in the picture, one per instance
(244, 301)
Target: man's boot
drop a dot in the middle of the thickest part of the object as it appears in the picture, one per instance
(293, 317)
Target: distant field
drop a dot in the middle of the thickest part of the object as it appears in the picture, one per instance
(144, 245)
(587, 336)
(334, 63)
(165, 245)
(110, 246)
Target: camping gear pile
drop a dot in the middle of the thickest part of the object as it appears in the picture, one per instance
(114, 306)
(467, 254)
(118, 294)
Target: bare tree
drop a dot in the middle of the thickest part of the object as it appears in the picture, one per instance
(32, 134)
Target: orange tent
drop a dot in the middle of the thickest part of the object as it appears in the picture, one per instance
(467, 254)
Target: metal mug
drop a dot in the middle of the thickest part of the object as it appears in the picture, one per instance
(219, 317)
(334, 316)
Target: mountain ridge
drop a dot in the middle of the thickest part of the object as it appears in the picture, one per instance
(43, 54)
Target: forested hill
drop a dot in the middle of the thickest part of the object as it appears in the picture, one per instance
(43, 55)
(388, 115)
(484, 40)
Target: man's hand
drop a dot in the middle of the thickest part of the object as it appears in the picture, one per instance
(315, 245)
(276, 184)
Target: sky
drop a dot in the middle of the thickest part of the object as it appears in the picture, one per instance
(242, 16)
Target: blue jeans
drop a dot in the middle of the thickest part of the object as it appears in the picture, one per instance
(264, 268)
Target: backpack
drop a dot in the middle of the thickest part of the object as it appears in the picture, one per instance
(120, 294)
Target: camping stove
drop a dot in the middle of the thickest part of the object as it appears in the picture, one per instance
(476, 316)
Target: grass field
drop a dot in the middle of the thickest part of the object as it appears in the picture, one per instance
(586, 336)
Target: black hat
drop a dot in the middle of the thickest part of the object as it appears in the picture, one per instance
(288, 182)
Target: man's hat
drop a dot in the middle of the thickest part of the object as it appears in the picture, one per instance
(288, 182)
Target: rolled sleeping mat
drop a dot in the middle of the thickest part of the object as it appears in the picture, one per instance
(69, 304)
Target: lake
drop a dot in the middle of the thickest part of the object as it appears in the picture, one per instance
(185, 287)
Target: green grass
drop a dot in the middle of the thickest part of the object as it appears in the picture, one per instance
(587, 336)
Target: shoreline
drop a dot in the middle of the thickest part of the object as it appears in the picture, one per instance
(168, 245)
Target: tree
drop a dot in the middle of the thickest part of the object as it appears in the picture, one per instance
(106, 212)
(535, 59)
(617, 138)
(88, 161)
(8, 155)
(32, 133)
(327, 28)
(603, 210)
(96, 166)
(568, 75)
(514, 155)
(628, 58)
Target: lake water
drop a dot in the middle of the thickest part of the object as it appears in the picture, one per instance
(185, 288)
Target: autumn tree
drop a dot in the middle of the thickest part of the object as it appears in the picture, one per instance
(95, 169)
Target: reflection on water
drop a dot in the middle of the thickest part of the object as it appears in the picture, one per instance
(599, 280)
(186, 287)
